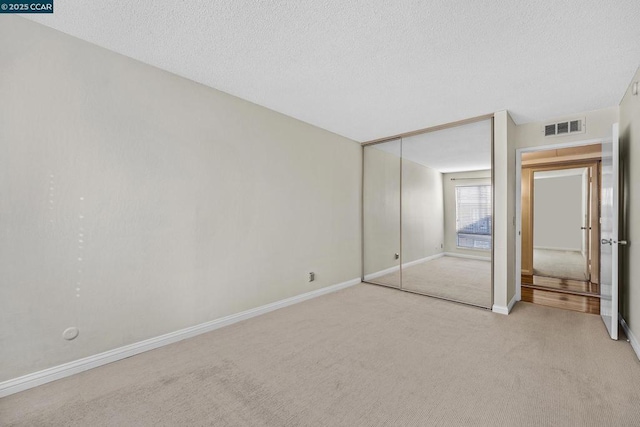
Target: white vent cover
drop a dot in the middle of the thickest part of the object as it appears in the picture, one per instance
(565, 127)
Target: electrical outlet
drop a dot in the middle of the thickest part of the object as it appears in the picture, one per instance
(312, 276)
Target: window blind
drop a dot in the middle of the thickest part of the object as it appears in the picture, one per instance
(473, 216)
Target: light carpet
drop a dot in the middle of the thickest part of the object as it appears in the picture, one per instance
(364, 356)
(560, 264)
(454, 278)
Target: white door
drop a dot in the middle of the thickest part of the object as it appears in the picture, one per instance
(609, 235)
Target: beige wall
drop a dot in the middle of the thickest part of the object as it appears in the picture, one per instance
(449, 185)
(165, 203)
(598, 125)
(558, 207)
(630, 163)
(504, 287)
(422, 212)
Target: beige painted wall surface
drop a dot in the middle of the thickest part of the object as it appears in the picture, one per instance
(422, 212)
(630, 162)
(136, 203)
(598, 125)
(450, 234)
(557, 213)
(504, 286)
(381, 208)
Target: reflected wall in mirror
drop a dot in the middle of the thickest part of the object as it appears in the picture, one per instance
(447, 213)
(561, 221)
(381, 213)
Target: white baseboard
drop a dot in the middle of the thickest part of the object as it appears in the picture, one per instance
(395, 268)
(476, 257)
(500, 309)
(67, 369)
(422, 260)
(381, 273)
(633, 340)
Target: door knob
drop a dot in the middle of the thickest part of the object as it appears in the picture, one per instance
(622, 242)
(583, 228)
(606, 242)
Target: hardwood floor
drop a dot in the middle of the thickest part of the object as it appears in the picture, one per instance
(569, 285)
(567, 294)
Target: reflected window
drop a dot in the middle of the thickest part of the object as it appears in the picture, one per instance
(473, 216)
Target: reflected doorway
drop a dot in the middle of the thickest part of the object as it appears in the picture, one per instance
(560, 231)
(561, 223)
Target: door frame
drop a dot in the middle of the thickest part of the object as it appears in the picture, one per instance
(518, 211)
(593, 190)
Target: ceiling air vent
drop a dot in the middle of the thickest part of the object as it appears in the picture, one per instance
(575, 126)
(564, 128)
(550, 130)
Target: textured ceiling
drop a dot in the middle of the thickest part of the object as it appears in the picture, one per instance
(368, 69)
(458, 149)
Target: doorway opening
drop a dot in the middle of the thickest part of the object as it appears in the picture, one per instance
(565, 295)
(560, 228)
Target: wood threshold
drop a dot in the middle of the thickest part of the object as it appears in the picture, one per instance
(555, 299)
(561, 291)
(576, 287)
(567, 294)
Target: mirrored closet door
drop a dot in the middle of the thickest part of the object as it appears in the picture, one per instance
(381, 213)
(444, 213)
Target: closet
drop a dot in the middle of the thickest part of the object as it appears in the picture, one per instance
(428, 212)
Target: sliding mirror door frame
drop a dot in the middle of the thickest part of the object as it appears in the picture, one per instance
(489, 117)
